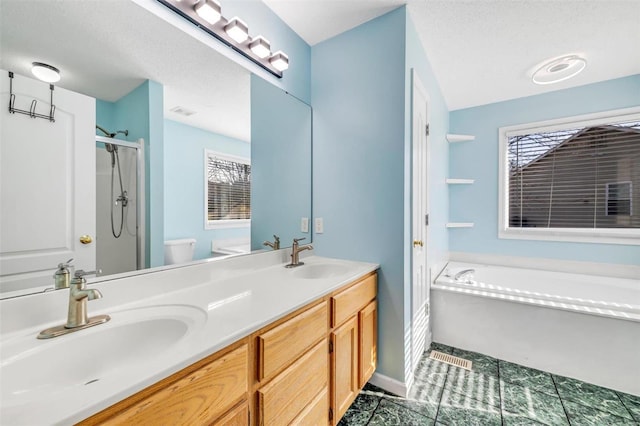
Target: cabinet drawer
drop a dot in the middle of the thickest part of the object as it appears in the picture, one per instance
(317, 413)
(281, 345)
(197, 398)
(239, 416)
(351, 300)
(283, 399)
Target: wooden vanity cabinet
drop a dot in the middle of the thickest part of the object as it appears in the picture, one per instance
(354, 340)
(303, 369)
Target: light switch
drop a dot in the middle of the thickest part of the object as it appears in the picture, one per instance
(319, 229)
(304, 224)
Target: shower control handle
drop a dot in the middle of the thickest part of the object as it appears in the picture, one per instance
(86, 239)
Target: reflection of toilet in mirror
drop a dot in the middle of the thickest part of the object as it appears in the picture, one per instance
(179, 251)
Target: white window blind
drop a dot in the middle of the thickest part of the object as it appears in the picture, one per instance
(228, 188)
(574, 177)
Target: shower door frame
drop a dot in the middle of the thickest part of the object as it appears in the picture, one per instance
(141, 196)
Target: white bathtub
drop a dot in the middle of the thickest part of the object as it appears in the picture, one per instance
(581, 326)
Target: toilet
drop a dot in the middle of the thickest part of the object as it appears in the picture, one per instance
(179, 251)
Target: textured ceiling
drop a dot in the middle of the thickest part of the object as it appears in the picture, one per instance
(484, 51)
(481, 51)
(105, 49)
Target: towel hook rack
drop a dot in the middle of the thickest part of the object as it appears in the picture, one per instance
(32, 109)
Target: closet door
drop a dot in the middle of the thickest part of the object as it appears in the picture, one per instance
(47, 183)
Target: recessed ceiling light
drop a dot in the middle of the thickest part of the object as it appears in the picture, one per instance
(237, 30)
(45, 72)
(209, 10)
(559, 69)
(261, 47)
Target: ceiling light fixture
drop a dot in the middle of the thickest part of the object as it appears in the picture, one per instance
(234, 32)
(279, 60)
(237, 30)
(45, 72)
(209, 10)
(260, 46)
(559, 69)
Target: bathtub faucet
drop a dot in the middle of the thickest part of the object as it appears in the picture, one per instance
(463, 274)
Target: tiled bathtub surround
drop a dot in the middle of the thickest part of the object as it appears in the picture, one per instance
(495, 392)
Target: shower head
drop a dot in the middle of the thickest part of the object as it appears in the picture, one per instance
(112, 149)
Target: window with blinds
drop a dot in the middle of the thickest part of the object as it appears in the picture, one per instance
(581, 175)
(228, 186)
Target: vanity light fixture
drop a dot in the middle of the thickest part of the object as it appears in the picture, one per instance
(209, 10)
(279, 60)
(45, 72)
(260, 46)
(559, 69)
(237, 30)
(234, 33)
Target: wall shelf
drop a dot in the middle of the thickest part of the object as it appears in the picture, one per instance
(451, 138)
(459, 181)
(459, 225)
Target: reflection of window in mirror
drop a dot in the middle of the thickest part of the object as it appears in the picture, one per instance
(228, 190)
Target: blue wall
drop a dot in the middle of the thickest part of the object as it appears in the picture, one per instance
(140, 112)
(357, 93)
(479, 160)
(184, 184)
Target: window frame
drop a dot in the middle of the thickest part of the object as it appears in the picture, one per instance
(223, 223)
(627, 236)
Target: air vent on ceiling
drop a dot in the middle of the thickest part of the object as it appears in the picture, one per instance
(182, 111)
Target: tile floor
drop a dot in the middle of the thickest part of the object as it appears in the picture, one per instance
(496, 392)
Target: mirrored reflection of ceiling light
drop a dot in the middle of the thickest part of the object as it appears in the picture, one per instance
(261, 47)
(559, 69)
(237, 30)
(209, 10)
(45, 72)
(279, 60)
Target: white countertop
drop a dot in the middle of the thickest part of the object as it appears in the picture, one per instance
(222, 302)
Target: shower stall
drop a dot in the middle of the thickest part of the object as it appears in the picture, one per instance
(119, 204)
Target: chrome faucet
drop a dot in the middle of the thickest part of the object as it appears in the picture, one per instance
(275, 245)
(463, 273)
(77, 313)
(295, 253)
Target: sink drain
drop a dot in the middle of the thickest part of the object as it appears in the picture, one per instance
(91, 381)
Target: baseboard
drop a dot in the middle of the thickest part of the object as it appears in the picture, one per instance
(390, 385)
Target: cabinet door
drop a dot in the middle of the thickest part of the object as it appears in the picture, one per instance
(344, 367)
(367, 323)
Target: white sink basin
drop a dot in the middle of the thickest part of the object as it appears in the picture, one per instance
(32, 367)
(320, 270)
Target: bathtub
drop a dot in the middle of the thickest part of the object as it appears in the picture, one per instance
(581, 326)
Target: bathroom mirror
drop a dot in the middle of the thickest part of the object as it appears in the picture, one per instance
(116, 51)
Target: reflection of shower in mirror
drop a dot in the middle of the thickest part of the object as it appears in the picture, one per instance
(116, 203)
